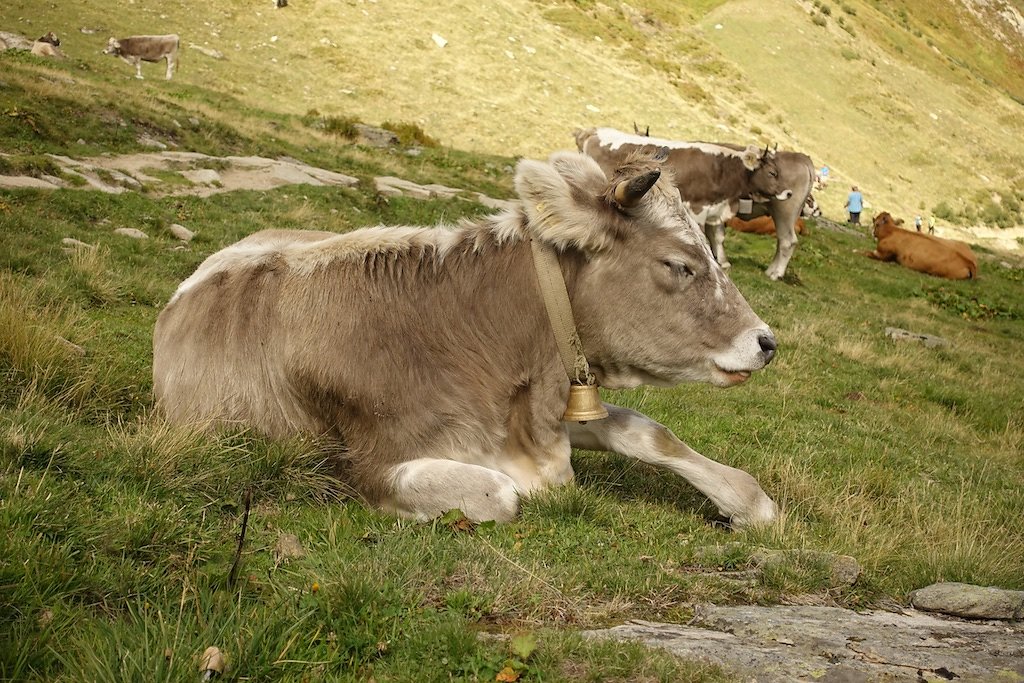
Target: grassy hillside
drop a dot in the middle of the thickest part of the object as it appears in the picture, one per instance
(120, 557)
(920, 102)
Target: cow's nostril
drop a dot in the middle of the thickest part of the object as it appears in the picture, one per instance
(768, 345)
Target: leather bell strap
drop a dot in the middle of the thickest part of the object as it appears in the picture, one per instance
(556, 301)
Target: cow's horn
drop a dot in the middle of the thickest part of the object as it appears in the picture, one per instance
(765, 155)
(629, 192)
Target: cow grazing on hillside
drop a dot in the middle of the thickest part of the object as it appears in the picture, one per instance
(713, 177)
(138, 49)
(762, 225)
(924, 253)
(427, 353)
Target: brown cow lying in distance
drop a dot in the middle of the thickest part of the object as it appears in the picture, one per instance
(923, 253)
(762, 225)
(47, 46)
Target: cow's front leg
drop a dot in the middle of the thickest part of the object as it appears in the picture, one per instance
(138, 69)
(737, 495)
(715, 232)
(785, 246)
(426, 488)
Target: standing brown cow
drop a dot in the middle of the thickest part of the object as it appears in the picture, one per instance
(137, 49)
(924, 253)
(428, 353)
(713, 177)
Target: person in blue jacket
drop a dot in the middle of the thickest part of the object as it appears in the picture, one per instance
(854, 205)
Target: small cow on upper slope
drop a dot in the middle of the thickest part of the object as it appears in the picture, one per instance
(924, 253)
(427, 354)
(137, 49)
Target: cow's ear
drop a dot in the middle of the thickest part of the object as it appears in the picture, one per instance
(561, 200)
(751, 157)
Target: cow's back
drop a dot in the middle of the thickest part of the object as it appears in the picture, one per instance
(268, 325)
(927, 254)
(149, 48)
(215, 341)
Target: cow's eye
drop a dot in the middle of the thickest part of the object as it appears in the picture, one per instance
(773, 173)
(678, 268)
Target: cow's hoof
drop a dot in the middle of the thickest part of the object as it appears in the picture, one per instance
(774, 274)
(764, 511)
(726, 266)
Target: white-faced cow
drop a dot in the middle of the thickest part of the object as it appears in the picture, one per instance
(137, 49)
(713, 177)
(428, 354)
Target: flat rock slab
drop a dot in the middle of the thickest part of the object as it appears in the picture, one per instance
(930, 341)
(834, 645)
(969, 601)
(118, 173)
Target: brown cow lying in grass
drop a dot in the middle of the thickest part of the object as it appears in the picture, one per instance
(923, 253)
(762, 225)
(47, 46)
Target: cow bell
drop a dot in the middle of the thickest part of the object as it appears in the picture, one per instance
(584, 404)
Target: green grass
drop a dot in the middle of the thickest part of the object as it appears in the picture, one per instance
(121, 531)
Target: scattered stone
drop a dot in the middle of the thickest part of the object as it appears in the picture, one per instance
(74, 244)
(181, 232)
(930, 341)
(54, 180)
(787, 643)
(390, 186)
(125, 180)
(193, 121)
(438, 40)
(329, 177)
(208, 51)
(288, 547)
(132, 232)
(18, 181)
(969, 601)
(149, 141)
(376, 137)
(202, 176)
(13, 41)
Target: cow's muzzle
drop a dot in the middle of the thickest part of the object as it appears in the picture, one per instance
(784, 195)
(766, 340)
